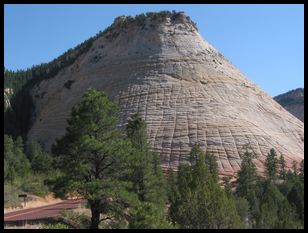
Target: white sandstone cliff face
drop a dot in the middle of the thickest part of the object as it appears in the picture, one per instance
(184, 89)
(7, 93)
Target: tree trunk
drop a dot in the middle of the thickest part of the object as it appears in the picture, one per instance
(95, 211)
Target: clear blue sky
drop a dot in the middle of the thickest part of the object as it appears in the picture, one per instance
(266, 42)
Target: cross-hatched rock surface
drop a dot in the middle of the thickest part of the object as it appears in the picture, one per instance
(184, 89)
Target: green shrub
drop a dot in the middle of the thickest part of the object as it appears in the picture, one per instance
(11, 199)
(35, 185)
(77, 219)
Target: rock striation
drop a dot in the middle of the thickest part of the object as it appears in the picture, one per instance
(187, 92)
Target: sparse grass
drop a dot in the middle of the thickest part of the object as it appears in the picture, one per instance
(55, 226)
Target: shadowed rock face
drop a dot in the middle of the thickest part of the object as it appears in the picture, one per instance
(186, 91)
(293, 101)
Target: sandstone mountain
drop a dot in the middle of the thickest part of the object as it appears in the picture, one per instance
(293, 101)
(159, 65)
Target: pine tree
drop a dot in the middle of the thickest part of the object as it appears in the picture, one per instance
(41, 161)
(211, 162)
(200, 202)
(301, 169)
(16, 163)
(194, 153)
(148, 215)
(147, 177)
(227, 185)
(247, 175)
(271, 164)
(33, 149)
(92, 157)
(243, 210)
(9, 171)
(275, 211)
(282, 169)
(294, 168)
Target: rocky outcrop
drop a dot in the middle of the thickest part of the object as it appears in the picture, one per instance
(187, 92)
(7, 93)
(293, 101)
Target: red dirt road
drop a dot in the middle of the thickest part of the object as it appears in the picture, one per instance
(42, 212)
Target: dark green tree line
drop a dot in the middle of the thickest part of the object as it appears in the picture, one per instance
(199, 201)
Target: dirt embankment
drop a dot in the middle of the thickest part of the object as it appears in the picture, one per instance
(36, 202)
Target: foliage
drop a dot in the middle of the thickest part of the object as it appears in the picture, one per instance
(18, 173)
(275, 211)
(18, 118)
(271, 204)
(301, 169)
(148, 216)
(11, 199)
(33, 149)
(147, 178)
(92, 157)
(296, 199)
(271, 165)
(42, 163)
(78, 220)
(227, 186)
(247, 176)
(282, 167)
(243, 210)
(34, 184)
(200, 202)
(55, 226)
(16, 163)
(211, 162)
(287, 101)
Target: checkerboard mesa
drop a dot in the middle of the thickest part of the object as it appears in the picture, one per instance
(159, 65)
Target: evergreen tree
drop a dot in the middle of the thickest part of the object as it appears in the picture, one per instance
(42, 163)
(247, 183)
(200, 202)
(275, 211)
(282, 169)
(148, 215)
(243, 210)
(172, 190)
(211, 162)
(92, 157)
(271, 164)
(147, 177)
(247, 175)
(227, 185)
(294, 168)
(16, 163)
(194, 153)
(33, 149)
(9, 171)
(301, 170)
(296, 199)
(20, 162)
